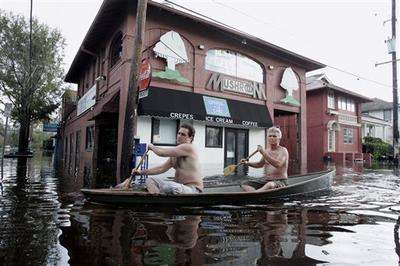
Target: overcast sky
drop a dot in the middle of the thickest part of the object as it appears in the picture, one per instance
(344, 34)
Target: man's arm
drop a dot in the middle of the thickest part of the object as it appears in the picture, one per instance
(178, 151)
(276, 162)
(156, 170)
(258, 164)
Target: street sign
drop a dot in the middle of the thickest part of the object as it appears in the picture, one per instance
(50, 127)
(144, 78)
(7, 109)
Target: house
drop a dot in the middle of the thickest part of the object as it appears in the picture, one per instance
(333, 122)
(377, 120)
(229, 85)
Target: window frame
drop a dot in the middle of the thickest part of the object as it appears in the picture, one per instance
(347, 137)
(152, 132)
(87, 147)
(235, 72)
(221, 137)
(113, 60)
(331, 100)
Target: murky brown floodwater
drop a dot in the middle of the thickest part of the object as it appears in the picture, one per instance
(44, 222)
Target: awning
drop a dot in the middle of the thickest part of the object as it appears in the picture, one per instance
(175, 104)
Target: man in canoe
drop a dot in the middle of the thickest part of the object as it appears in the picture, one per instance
(275, 159)
(184, 159)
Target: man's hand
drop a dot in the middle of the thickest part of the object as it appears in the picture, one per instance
(150, 147)
(136, 172)
(244, 161)
(260, 149)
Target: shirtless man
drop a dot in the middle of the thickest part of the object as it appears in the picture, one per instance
(275, 159)
(184, 159)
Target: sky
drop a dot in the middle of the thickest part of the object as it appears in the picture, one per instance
(346, 35)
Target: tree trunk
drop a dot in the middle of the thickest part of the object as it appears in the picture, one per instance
(23, 140)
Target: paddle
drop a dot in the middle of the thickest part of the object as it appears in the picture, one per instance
(129, 180)
(231, 168)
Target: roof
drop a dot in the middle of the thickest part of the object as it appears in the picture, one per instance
(321, 81)
(376, 105)
(111, 10)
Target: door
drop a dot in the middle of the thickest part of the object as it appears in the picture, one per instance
(289, 125)
(236, 146)
(107, 156)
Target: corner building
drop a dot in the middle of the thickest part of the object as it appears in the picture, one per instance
(229, 85)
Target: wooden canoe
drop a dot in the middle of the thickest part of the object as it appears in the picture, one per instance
(228, 194)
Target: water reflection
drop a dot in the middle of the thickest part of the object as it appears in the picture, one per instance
(43, 220)
(28, 233)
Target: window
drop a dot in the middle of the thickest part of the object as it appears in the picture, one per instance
(214, 137)
(116, 49)
(331, 100)
(89, 137)
(71, 136)
(234, 64)
(77, 151)
(387, 115)
(331, 140)
(163, 131)
(348, 135)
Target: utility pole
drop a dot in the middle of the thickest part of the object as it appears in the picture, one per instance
(395, 98)
(131, 104)
(7, 113)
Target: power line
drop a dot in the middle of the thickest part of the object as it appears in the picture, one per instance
(266, 23)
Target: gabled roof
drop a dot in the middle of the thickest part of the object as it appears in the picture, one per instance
(376, 105)
(112, 10)
(321, 81)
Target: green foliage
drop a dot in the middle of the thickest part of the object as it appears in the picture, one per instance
(377, 147)
(36, 96)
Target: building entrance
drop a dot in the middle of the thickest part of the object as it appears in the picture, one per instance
(236, 146)
(289, 125)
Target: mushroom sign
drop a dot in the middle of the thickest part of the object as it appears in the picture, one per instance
(172, 48)
(289, 83)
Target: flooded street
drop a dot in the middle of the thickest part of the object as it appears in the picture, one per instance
(45, 221)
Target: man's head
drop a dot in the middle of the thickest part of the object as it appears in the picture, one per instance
(274, 135)
(186, 134)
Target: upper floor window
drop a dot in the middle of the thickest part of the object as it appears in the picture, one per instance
(234, 64)
(116, 49)
(346, 104)
(331, 100)
(387, 115)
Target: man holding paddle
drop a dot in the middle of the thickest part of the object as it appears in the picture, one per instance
(184, 159)
(275, 159)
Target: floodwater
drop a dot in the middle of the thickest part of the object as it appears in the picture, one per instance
(45, 222)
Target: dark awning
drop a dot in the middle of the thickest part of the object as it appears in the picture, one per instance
(175, 104)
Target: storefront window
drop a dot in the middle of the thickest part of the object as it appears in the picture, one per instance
(214, 137)
(164, 131)
(234, 64)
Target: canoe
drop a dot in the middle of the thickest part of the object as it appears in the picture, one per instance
(311, 184)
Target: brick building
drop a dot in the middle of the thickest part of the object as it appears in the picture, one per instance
(333, 122)
(229, 85)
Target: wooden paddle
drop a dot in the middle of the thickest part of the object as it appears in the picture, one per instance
(129, 180)
(231, 168)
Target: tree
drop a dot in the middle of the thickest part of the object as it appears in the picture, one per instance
(33, 85)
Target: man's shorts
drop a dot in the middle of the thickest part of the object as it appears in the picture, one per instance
(257, 184)
(170, 187)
